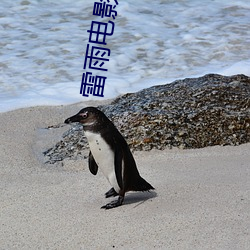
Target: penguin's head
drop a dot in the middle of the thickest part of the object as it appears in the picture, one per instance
(88, 117)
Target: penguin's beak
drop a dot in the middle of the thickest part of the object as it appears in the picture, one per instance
(74, 118)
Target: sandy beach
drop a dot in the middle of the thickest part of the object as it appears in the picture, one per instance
(201, 198)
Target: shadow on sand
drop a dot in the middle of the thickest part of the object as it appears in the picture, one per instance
(138, 198)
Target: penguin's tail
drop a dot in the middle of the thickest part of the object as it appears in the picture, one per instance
(141, 185)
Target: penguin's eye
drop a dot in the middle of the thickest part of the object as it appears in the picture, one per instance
(84, 115)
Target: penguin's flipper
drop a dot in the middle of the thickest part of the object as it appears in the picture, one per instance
(111, 193)
(93, 167)
(118, 166)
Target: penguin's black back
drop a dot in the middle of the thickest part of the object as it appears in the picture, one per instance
(131, 178)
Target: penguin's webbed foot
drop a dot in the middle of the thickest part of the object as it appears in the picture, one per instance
(113, 204)
(111, 193)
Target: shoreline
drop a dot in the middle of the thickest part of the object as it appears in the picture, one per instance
(201, 198)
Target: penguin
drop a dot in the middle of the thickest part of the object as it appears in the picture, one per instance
(110, 152)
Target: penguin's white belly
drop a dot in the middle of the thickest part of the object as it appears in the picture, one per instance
(104, 157)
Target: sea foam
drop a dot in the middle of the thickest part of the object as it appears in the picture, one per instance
(43, 46)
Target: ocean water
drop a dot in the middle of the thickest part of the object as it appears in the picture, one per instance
(43, 45)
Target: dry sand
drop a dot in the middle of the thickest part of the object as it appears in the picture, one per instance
(201, 201)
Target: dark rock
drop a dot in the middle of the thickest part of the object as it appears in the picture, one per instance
(190, 113)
